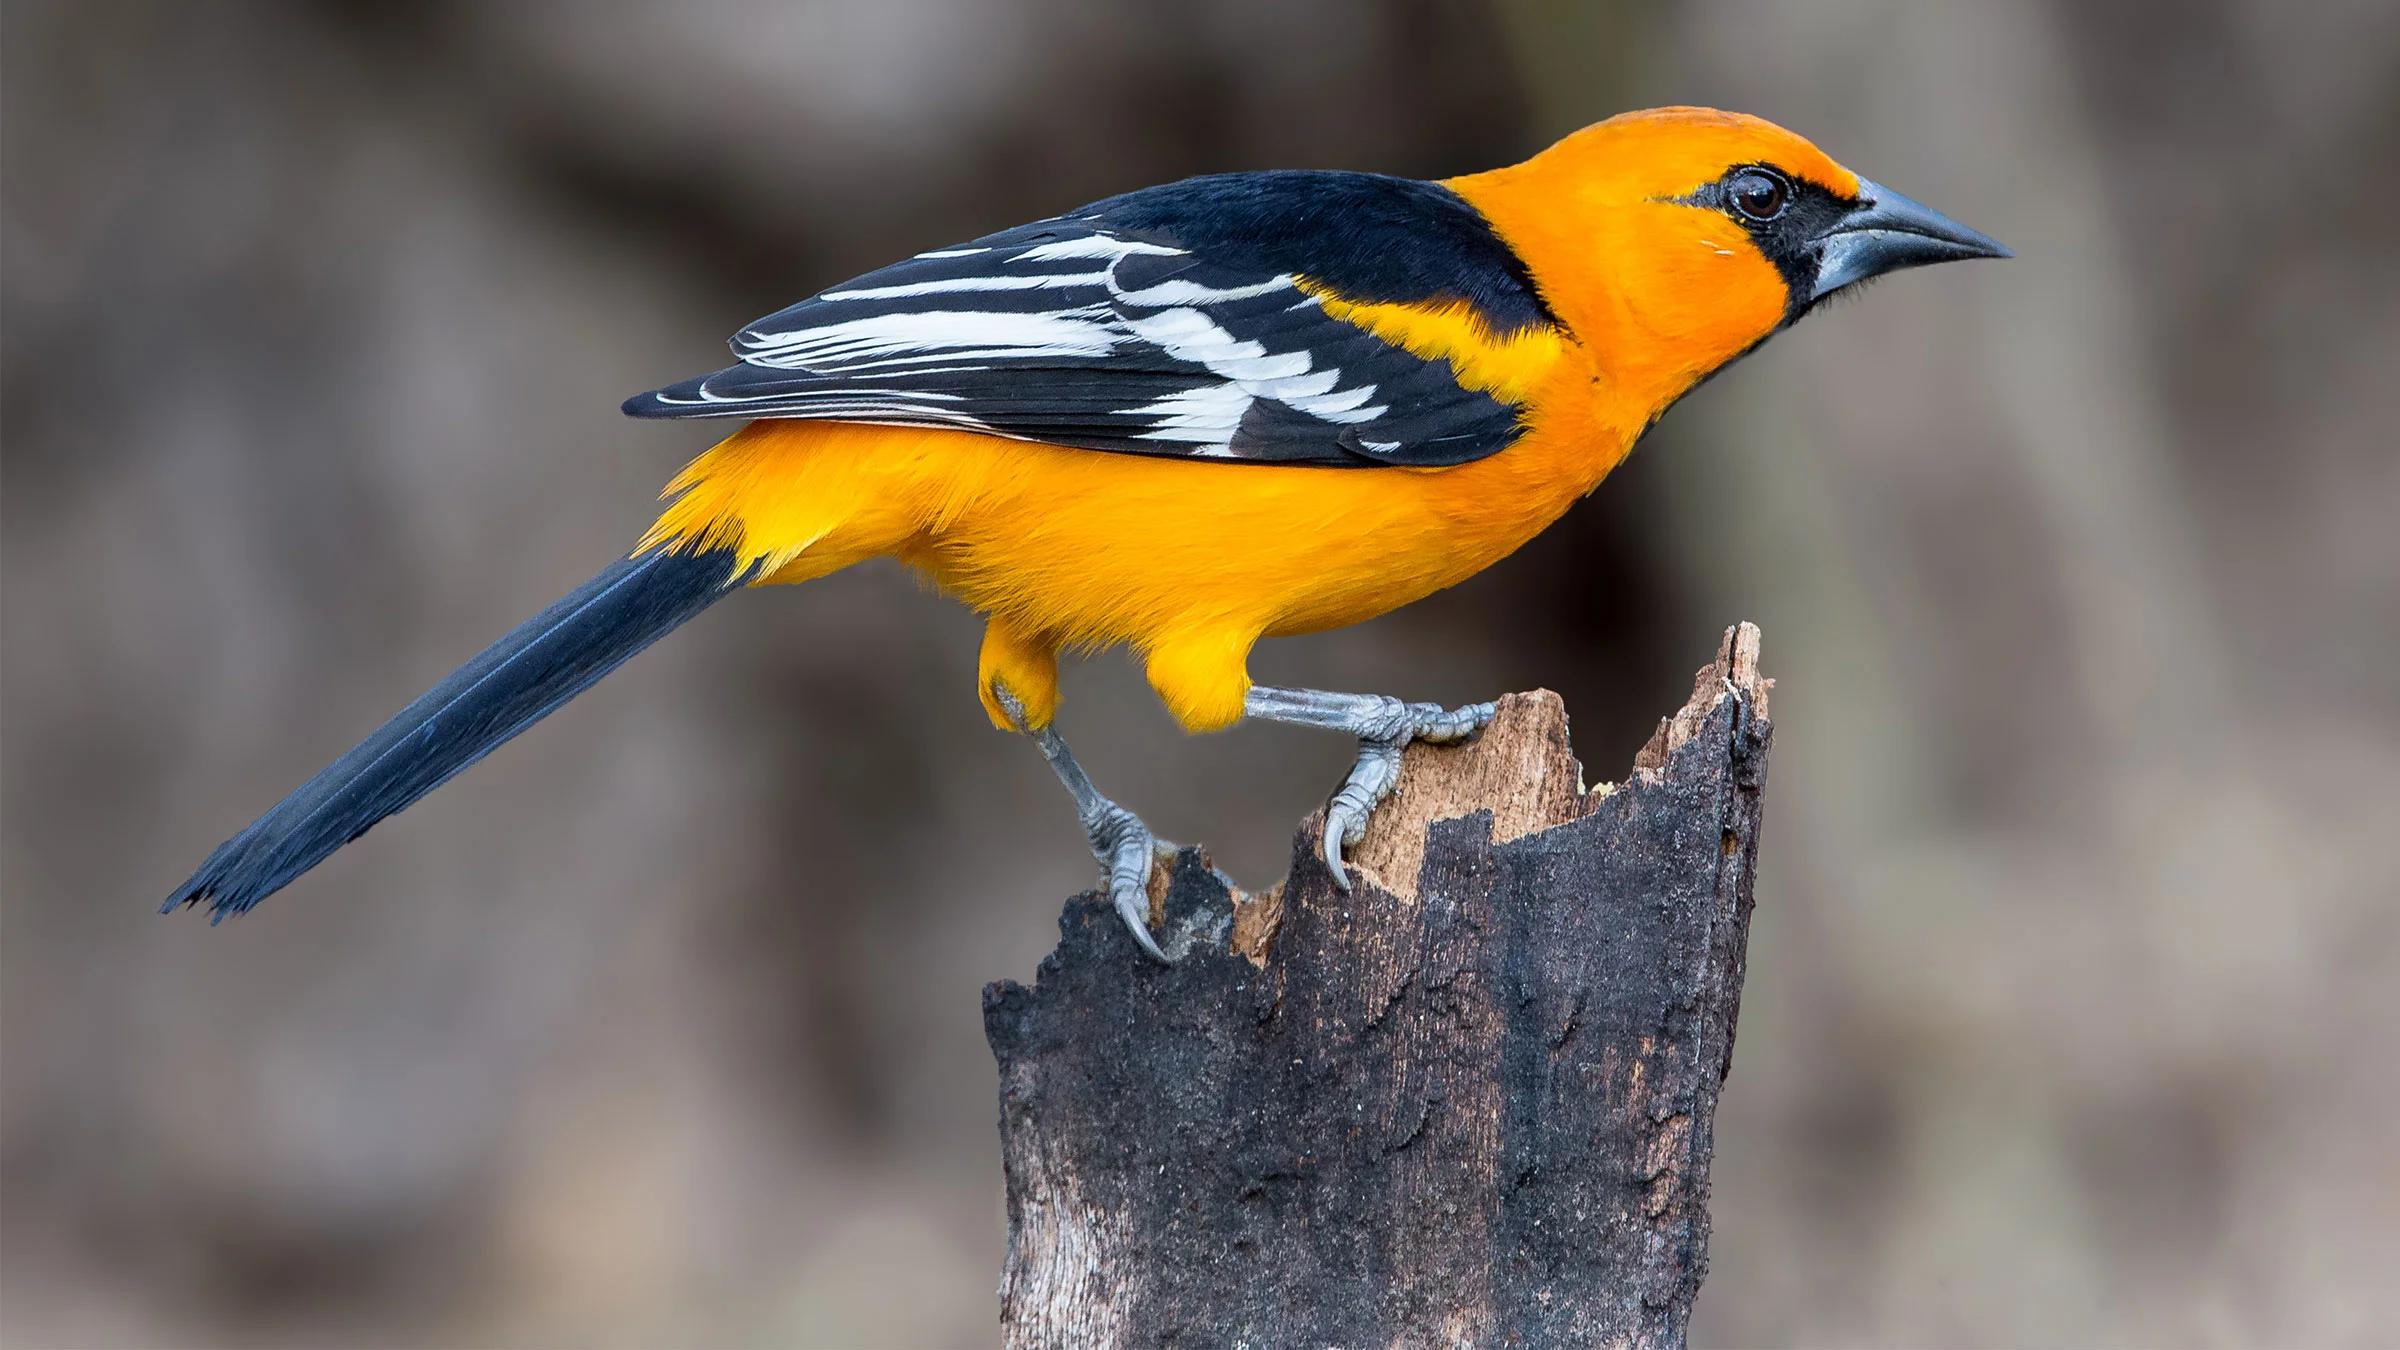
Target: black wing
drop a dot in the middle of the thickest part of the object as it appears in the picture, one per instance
(1171, 321)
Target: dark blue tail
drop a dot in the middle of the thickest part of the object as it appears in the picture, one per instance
(513, 684)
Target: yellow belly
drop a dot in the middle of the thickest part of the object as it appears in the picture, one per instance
(1187, 562)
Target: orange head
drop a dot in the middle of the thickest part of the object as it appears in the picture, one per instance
(1671, 241)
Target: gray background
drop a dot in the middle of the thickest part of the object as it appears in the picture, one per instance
(2075, 975)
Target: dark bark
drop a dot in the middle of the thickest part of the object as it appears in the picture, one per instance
(1468, 1102)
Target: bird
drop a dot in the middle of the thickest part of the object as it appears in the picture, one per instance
(1180, 420)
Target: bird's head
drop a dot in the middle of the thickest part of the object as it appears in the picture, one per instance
(1674, 240)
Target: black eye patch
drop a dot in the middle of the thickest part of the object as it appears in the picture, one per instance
(1786, 217)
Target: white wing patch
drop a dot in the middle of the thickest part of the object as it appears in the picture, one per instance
(880, 340)
(1106, 316)
(960, 284)
(1107, 246)
(1249, 372)
(1201, 417)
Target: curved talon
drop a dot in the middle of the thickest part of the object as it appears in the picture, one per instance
(1127, 850)
(1334, 862)
(1384, 727)
(1371, 780)
(1133, 906)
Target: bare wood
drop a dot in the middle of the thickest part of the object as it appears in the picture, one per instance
(1469, 1102)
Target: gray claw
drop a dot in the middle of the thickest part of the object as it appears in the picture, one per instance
(1447, 726)
(1371, 780)
(1133, 906)
(1384, 734)
(1127, 850)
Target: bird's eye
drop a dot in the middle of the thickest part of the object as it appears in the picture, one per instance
(1759, 194)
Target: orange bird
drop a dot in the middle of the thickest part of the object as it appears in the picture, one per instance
(1183, 419)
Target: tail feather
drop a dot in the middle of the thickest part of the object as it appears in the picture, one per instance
(511, 685)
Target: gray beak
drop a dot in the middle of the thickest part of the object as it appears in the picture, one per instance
(1887, 232)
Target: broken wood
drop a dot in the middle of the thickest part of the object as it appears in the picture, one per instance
(1467, 1102)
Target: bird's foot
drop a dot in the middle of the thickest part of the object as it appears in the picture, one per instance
(1122, 845)
(1385, 726)
(1126, 850)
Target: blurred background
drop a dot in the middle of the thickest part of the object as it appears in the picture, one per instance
(2077, 949)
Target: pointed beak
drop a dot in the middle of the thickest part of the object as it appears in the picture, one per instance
(1886, 232)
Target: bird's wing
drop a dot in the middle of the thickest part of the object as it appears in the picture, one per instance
(1242, 317)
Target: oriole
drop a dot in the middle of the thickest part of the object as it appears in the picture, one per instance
(1181, 420)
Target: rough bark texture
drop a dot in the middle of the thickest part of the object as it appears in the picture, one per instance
(1468, 1102)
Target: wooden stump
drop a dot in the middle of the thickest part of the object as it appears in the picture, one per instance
(1468, 1102)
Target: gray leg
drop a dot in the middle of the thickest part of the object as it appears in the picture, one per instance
(1121, 843)
(1384, 726)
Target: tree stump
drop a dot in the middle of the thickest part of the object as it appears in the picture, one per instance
(1467, 1102)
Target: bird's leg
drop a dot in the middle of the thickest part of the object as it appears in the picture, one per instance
(1122, 844)
(1384, 726)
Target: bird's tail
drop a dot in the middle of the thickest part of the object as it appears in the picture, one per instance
(513, 684)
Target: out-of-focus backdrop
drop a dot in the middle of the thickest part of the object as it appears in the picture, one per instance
(2076, 972)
